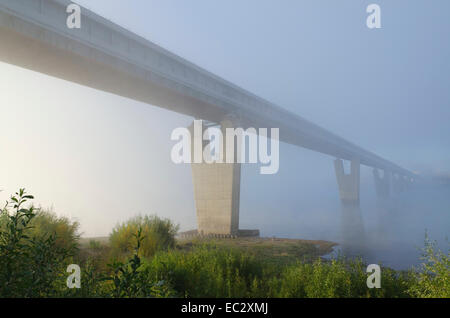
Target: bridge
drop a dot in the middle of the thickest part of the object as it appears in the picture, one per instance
(107, 57)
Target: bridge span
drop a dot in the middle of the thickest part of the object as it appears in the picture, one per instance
(107, 57)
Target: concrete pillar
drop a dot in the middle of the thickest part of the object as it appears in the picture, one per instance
(352, 227)
(382, 184)
(383, 204)
(217, 191)
(348, 183)
(399, 183)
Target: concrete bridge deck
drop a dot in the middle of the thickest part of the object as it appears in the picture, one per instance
(105, 56)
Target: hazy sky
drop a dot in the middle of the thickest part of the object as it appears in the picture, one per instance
(100, 158)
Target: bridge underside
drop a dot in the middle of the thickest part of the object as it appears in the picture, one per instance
(74, 65)
(48, 51)
(132, 67)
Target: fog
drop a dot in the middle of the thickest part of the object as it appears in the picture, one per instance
(302, 201)
(100, 158)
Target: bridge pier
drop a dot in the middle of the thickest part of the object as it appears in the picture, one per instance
(382, 184)
(217, 191)
(383, 204)
(399, 183)
(348, 183)
(352, 227)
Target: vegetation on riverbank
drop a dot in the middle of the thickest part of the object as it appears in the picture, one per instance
(143, 259)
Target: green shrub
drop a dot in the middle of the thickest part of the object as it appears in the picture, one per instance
(432, 280)
(45, 223)
(158, 234)
(130, 281)
(31, 265)
(206, 271)
(339, 278)
(65, 231)
(36, 247)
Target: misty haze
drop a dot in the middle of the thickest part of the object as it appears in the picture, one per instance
(102, 156)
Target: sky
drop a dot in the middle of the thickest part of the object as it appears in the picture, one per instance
(319, 59)
(100, 158)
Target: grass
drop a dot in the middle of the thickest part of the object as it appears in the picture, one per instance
(86, 241)
(33, 263)
(268, 251)
(273, 251)
(274, 267)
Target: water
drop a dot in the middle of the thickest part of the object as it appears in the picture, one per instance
(394, 230)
